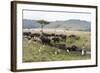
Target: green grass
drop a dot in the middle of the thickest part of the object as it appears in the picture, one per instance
(83, 41)
(36, 52)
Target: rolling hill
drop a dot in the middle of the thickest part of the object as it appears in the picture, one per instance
(30, 24)
(71, 24)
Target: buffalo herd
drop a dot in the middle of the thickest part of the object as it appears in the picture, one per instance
(54, 40)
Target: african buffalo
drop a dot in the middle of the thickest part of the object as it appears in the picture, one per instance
(55, 39)
(45, 40)
(26, 33)
(73, 48)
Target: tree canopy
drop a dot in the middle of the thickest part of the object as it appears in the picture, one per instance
(43, 22)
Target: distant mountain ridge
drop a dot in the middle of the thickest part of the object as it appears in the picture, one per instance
(30, 24)
(71, 24)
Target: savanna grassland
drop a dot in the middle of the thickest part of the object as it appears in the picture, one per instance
(36, 52)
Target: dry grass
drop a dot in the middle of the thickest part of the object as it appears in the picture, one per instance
(36, 52)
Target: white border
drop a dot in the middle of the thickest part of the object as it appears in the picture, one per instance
(34, 65)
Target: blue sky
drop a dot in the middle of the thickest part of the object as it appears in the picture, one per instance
(55, 16)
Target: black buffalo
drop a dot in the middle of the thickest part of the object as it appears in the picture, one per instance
(55, 39)
(45, 40)
(33, 35)
(26, 33)
(73, 48)
(63, 37)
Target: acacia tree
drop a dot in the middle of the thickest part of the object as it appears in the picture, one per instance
(43, 23)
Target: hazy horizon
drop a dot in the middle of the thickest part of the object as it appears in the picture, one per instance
(55, 16)
(59, 20)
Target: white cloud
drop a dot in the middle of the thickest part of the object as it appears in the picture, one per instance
(54, 16)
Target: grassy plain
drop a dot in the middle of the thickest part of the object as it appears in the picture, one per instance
(37, 52)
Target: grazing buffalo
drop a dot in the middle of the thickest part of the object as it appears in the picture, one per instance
(36, 34)
(26, 33)
(33, 35)
(55, 39)
(52, 34)
(29, 38)
(45, 40)
(63, 37)
(71, 36)
(73, 48)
